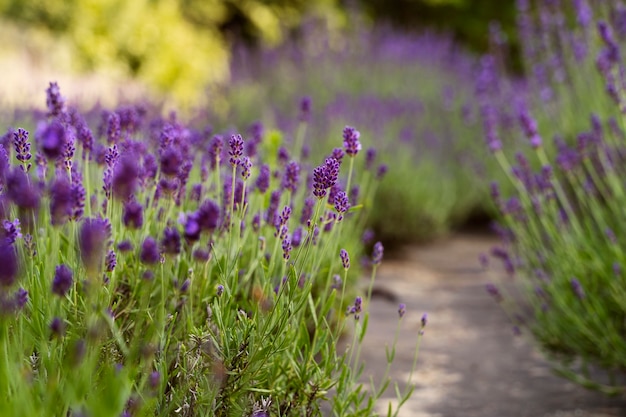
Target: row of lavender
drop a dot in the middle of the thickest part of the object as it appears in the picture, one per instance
(154, 267)
(551, 143)
(410, 95)
(559, 137)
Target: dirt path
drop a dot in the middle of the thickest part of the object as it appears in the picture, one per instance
(470, 363)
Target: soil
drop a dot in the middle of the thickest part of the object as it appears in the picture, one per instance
(470, 362)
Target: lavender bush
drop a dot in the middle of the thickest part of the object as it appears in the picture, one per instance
(411, 95)
(563, 221)
(154, 268)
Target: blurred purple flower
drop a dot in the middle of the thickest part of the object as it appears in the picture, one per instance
(62, 281)
(149, 253)
(345, 259)
(351, 142)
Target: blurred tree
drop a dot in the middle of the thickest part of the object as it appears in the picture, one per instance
(177, 46)
(468, 20)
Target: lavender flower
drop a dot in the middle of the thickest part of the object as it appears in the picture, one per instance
(125, 246)
(493, 291)
(220, 290)
(114, 128)
(263, 180)
(57, 327)
(61, 201)
(577, 288)
(307, 210)
(325, 176)
(92, 238)
(401, 310)
(208, 215)
(132, 216)
(291, 177)
(171, 241)
(154, 380)
(236, 149)
(342, 204)
(9, 262)
(286, 245)
(377, 253)
(52, 140)
(170, 161)
(356, 308)
(125, 177)
(261, 409)
(54, 100)
(337, 153)
(149, 253)
(382, 170)
(22, 148)
(245, 165)
(12, 230)
(110, 261)
(351, 142)
(305, 109)
(345, 259)
(370, 157)
(62, 281)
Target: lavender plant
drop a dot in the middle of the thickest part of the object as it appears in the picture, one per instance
(411, 93)
(562, 221)
(150, 268)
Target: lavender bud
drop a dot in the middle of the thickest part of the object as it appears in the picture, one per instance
(351, 142)
(62, 281)
(149, 253)
(401, 310)
(345, 259)
(377, 253)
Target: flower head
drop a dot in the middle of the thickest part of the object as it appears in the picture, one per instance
(62, 281)
(377, 253)
(325, 176)
(52, 140)
(92, 239)
(351, 142)
(149, 253)
(9, 262)
(345, 258)
(236, 149)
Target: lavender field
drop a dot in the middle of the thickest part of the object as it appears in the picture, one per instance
(219, 258)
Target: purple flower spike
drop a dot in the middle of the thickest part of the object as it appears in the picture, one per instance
(110, 261)
(125, 177)
(52, 140)
(345, 258)
(171, 241)
(263, 180)
(342, 204)
(8, 260)
(61, 201)
(291, 178)
(351, 142)
(401, 310)
(246, 165)
(62, 281)
(424, 320)
(305, 109)
(286, 248)
(149, 251)
(325, 176)
(22, 148)
(132, 217)
(236, 149)
(57, 327)
(54, 101)
(377, 253)
(577, 288)
(171, 160)
(92, 237)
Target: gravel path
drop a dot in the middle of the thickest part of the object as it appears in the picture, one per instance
(470, 363)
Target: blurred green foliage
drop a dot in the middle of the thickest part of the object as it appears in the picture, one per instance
(177, 46)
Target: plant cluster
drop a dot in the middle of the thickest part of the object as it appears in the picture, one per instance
(560, 141)
(153, 268)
